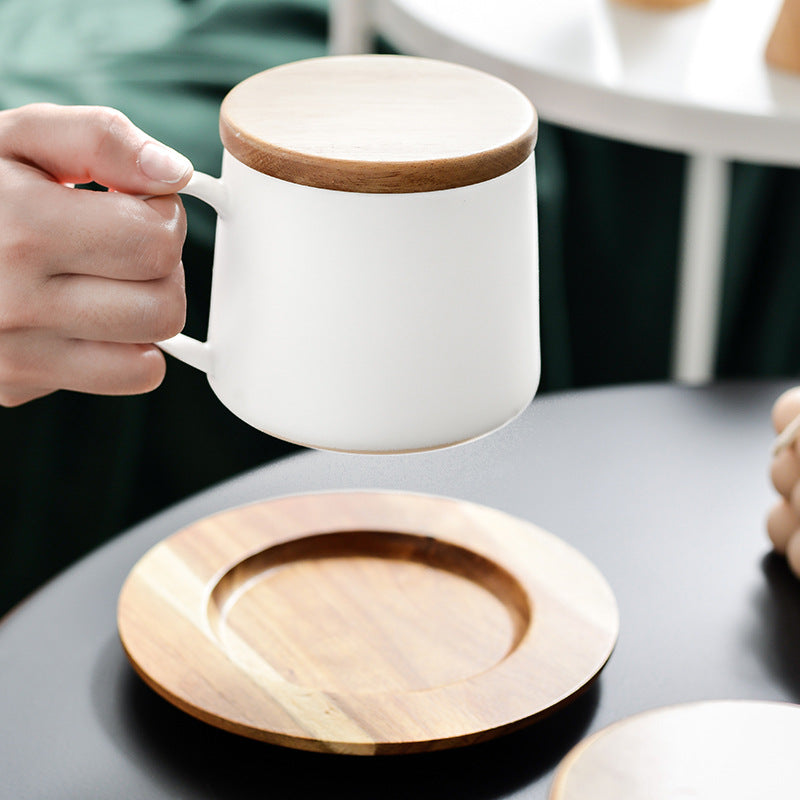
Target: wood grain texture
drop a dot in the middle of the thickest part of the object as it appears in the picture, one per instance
(783, 48)
(736, 750)
(378, 124)
(366, 622)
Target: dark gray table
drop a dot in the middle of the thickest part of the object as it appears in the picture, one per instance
(664, 488)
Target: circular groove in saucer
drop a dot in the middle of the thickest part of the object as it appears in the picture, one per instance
(275, 605)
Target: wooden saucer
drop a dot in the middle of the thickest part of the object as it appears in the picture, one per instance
(732, 749)
(366, 622)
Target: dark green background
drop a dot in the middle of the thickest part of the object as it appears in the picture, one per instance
(75, 469)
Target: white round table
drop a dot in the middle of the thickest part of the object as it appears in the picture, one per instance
(692, 80)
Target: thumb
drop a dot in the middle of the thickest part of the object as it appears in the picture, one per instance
(80, 144)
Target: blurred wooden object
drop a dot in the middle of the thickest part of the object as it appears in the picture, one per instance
(731, 749)
(783, 49)
(664, 5)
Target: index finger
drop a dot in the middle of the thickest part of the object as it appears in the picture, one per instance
(80, 144)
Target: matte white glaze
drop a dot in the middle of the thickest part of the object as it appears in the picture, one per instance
(371, 322)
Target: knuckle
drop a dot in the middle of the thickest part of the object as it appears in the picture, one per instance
(148, 373)
(21, 248)
(107, 125)
(170, 246)
(159, 251)
(168, 312)
(15, 313)
(180, 225)
(13, 374)
(10, 398)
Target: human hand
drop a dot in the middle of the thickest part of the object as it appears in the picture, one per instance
(88, 280)
(783, 522)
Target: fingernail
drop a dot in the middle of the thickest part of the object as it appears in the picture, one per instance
(161, 163)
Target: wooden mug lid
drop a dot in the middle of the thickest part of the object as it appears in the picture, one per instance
(375, 123)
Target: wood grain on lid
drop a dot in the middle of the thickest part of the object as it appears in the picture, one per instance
(374, 123)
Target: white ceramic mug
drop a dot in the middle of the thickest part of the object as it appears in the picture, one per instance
(370, 321)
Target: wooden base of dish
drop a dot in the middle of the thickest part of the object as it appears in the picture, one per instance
(366, 623)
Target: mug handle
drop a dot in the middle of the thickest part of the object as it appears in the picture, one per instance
(191, 351)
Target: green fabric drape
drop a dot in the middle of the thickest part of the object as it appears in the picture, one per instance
(76, 469)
